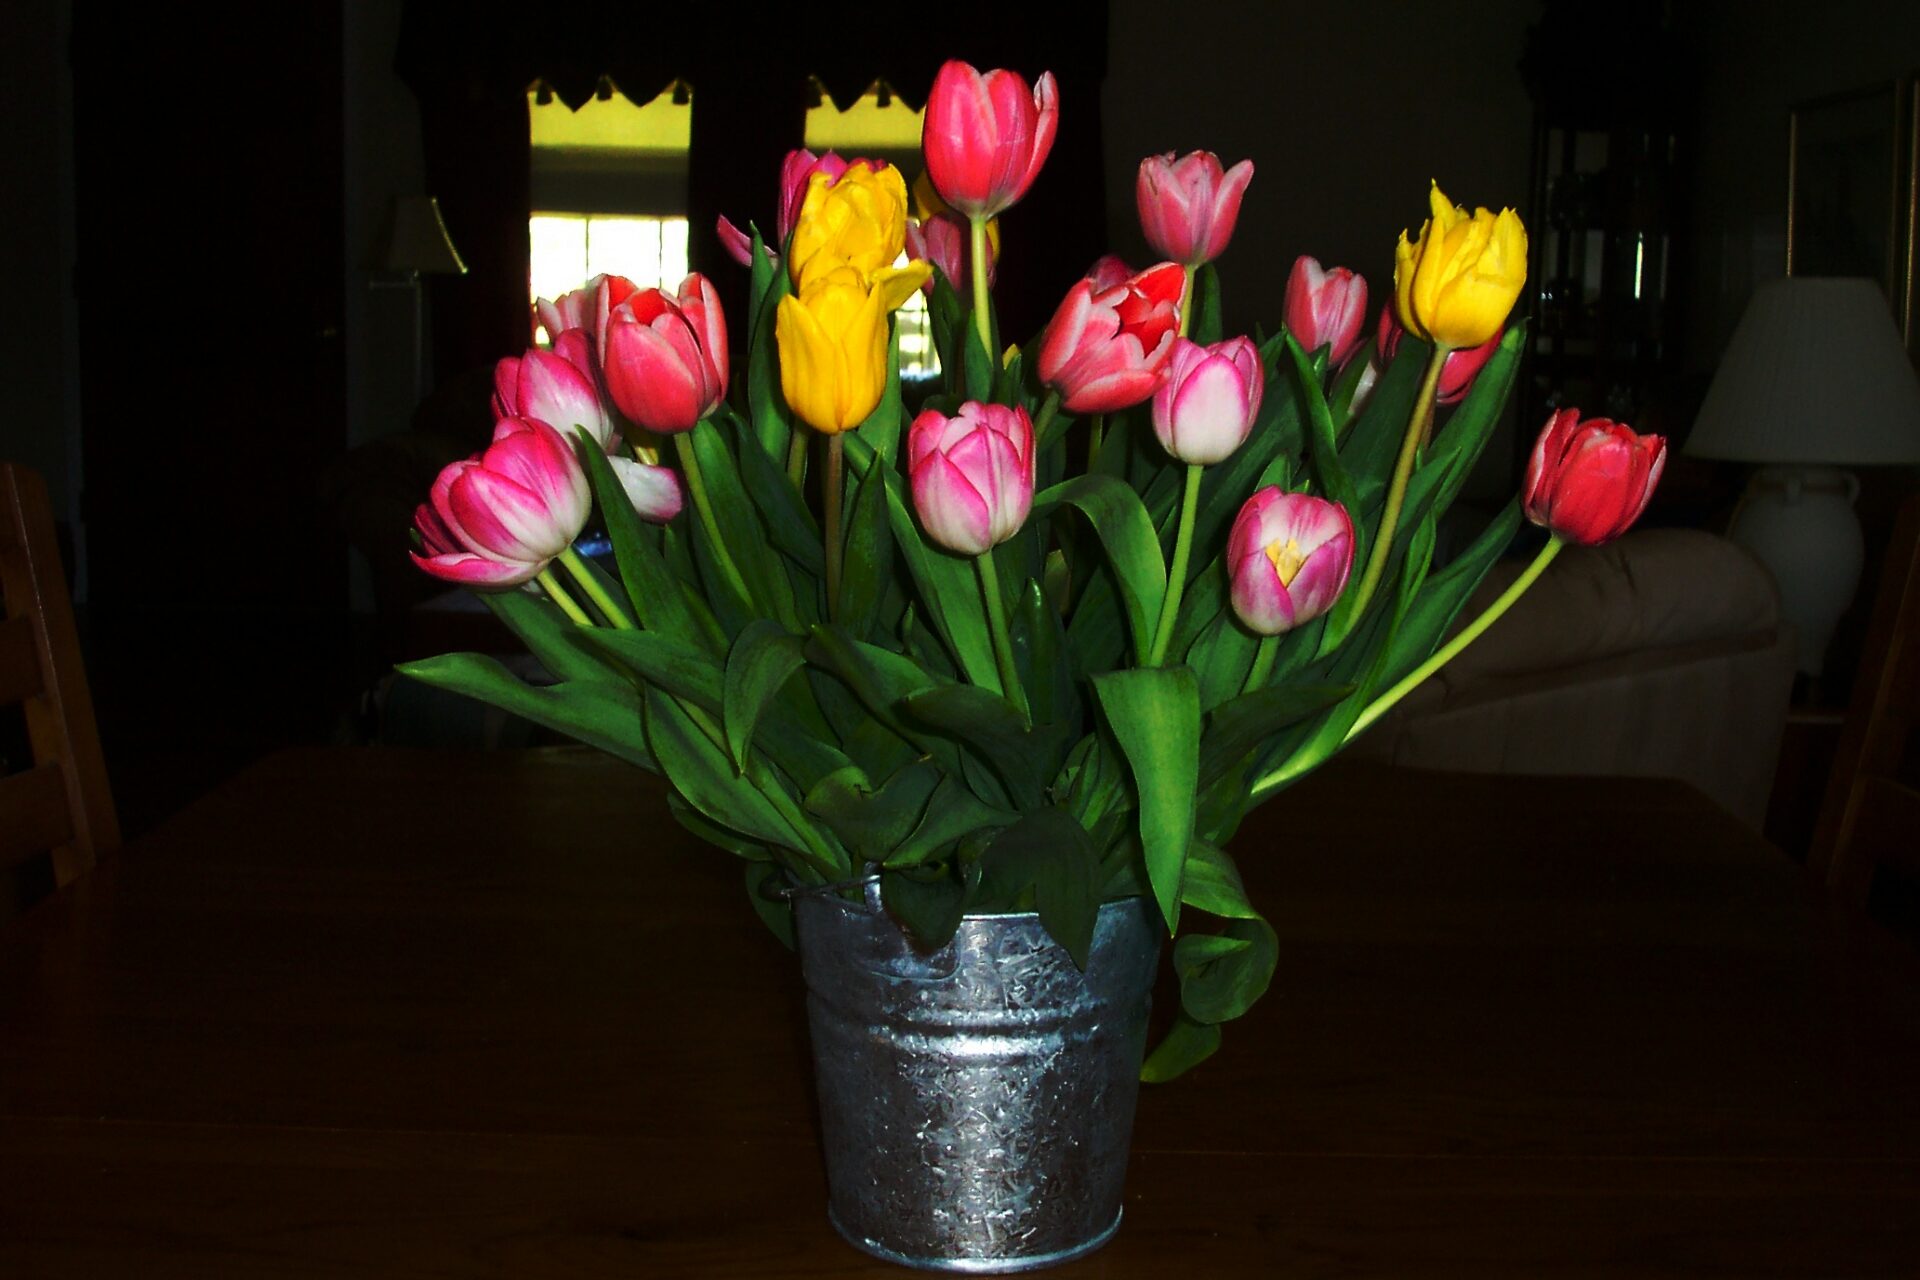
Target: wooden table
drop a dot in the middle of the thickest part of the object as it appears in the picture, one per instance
(369, 1012)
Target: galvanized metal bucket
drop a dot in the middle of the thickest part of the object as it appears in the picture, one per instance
(976, 1102)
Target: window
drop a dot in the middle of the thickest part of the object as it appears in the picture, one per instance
(879, 126)
(609, 189)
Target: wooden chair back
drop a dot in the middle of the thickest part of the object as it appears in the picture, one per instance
(1871, 814)
(59, 805)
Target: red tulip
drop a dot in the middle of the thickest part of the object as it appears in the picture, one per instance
(548, 387)
(1188, 206)
(586, 307)
(1107, 349)
(986, 136)
(499, 519)
(665, 356)
(1326, 308)
(1456, 374)
(971, 474)
(1206, 407)
(1589, 481)
(1288, 558)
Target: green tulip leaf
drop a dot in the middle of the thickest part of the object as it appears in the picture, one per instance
(1047, 856)
(603, 713)
(763, 658)
(1154, 713)
(650, 584)
(1235, 728)
(1133, 549)
(1187, 1044)
(1222, 974)
(866, 566)
(997, 732)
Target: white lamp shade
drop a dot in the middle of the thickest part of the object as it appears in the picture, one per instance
(420, 241)
(1816, 373)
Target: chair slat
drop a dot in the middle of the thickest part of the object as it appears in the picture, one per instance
(33, 813)
(20, 676)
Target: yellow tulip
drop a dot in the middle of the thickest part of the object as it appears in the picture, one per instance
(859, 221)
(1457, 283)
(832, 338)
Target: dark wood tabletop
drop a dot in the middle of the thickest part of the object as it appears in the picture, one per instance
(367, 1012)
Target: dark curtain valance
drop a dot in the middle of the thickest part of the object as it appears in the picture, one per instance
(470, 66)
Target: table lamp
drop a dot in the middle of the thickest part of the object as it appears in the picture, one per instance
(1816, 379)
(420, 246)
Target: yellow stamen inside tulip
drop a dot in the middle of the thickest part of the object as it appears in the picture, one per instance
(1286, 560)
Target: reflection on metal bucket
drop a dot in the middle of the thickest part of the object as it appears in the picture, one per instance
(976, 1102)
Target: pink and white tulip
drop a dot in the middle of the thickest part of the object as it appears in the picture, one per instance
(1206, 407)
(654, 492)
(1107, 349)
(971, 474)
(1326, 307)
(986, 136)
(1108, 270)
(499, 519)
(586, 307)
(664, 356)
(548, 387)
(1188, 206)
(1288, 558)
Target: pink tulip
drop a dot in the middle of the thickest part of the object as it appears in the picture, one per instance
(1288, 556)
(1108, 270)
(1456, 374)
(971, 474)
(586, 307)
(800, 164)
(1589, 481)
(1106, 349)
(499, 519)
(548, 387)
(1206, 407)
(1326, 308)
(1188, 206)
(986, 136)
(665, 356)
(943, 240)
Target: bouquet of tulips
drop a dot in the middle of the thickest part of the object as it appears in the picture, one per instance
(1045, 644)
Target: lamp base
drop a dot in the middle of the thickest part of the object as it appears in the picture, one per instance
(1800, 523)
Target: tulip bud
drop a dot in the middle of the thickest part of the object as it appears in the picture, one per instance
(499, 519)
(1457, 371)
(986, 136)
(1206, 407)
(1326, 308)
(1589, 481)
(971, 474)
(1107, 349)
(547, 387)
(665, 356)
(1288, 557)
(1188, 206)
(1456, 284)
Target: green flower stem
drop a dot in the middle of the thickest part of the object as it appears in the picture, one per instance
(1441, 657)
(1186, 298)
(1043, 421)
(797, 456)
(832, 496)
(609, 608)
(1397, 490)
(1177, 578)
(1002, 641)
(1096, 431)
(551, 585)
(1262, 663)
(697, 488)
(977, 253)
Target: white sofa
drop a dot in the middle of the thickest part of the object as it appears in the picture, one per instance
(1661, 654)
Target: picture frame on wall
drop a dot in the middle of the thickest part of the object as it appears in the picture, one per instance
(1851, 196)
